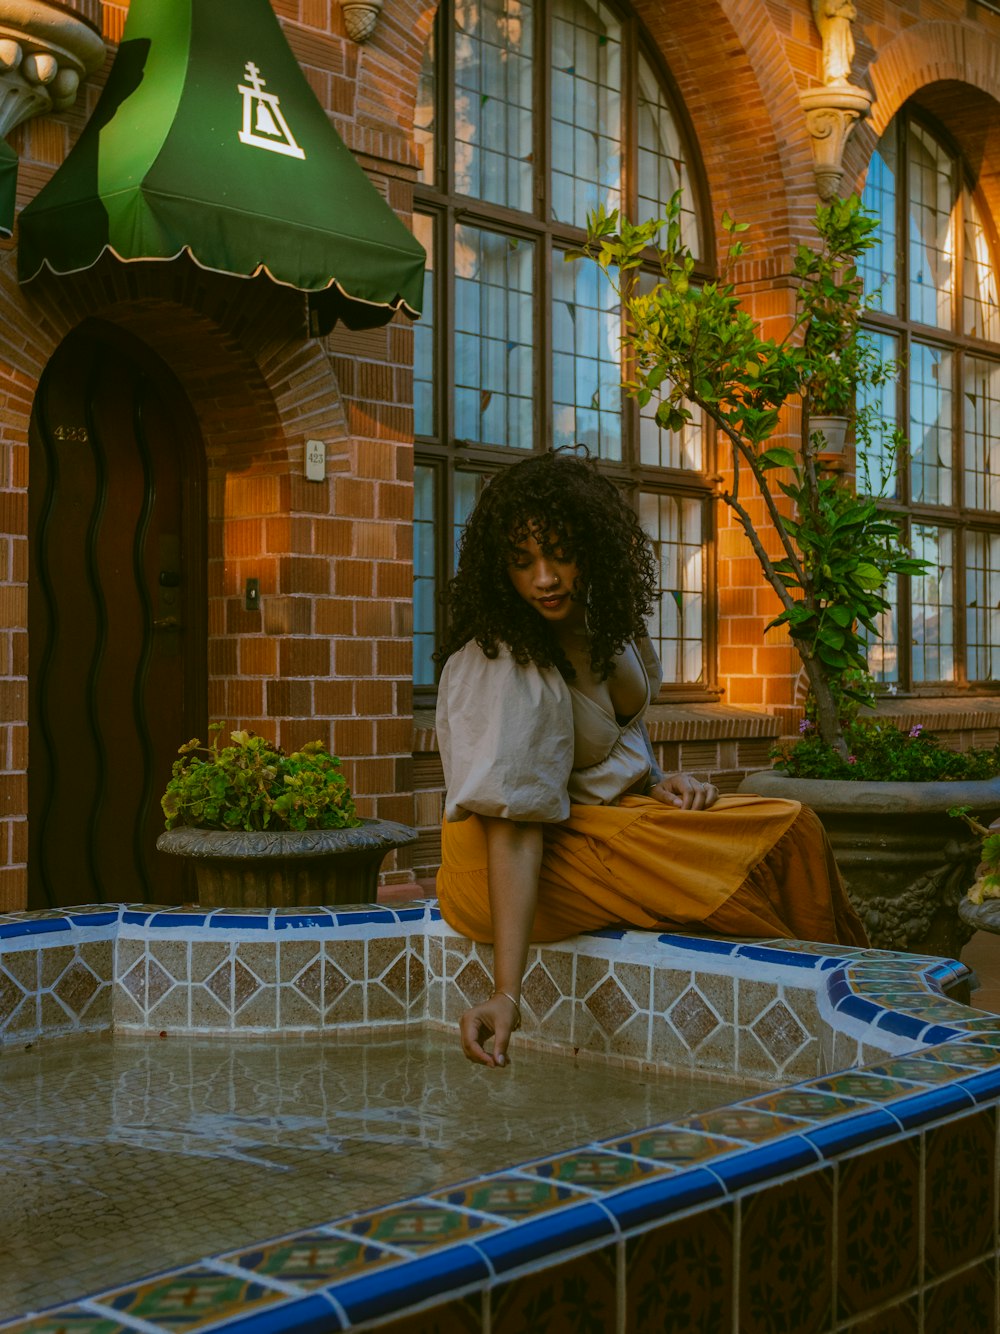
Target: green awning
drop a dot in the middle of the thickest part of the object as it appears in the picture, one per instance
(8, 187)
(208, 139)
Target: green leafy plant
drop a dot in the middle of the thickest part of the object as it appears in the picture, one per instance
(881, 752)
(987, 882)
(252, 784)
(693, 344)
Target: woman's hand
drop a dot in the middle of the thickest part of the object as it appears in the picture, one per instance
(685, 792)
(499, 1016)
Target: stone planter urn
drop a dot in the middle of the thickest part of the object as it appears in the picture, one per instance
(906, 863)
(287, 868)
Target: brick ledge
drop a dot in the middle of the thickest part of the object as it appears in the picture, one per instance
(666, 722)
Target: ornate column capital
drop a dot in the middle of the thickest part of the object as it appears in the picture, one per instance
(45, 51)
(831, 113)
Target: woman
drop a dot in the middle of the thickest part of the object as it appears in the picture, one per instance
(556, 819)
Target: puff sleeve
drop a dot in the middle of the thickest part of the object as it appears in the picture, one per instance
(505, 733)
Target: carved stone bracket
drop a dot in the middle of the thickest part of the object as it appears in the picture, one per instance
(45, 51)
(831, 114)
(360, 17)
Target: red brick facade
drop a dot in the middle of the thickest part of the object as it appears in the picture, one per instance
(329, 653)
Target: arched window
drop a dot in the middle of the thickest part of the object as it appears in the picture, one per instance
(933, 279)
(529, 115)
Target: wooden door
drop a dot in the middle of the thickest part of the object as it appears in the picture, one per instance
(116, 619)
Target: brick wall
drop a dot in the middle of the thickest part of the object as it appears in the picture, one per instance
(329, 652)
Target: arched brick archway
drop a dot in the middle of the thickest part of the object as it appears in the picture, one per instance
(954, 73)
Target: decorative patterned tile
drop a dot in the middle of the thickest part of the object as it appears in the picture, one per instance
(310, 1259)
(743, 1123)
(415, 1225)
(611, 1006)
(671, 1147)
(190, 1298)
(966, 1301)
(508, 1196)
(785, 1280)
(780, 1033)
(959, 1191)
(680, 1277)
(578, 1295)
(807, 1103)
(878, 1226)
(595, 1171)
(693, 1019)
(962, 1053)
(917, 1068)
(863, 1084)
(69, 1320)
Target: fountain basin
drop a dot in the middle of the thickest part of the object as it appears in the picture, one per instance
(872, 1155)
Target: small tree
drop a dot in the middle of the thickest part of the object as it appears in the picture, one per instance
(693, 344)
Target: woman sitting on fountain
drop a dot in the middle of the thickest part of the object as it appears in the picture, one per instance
(557, 819)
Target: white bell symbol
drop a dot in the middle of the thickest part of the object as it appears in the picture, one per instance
(265, 121)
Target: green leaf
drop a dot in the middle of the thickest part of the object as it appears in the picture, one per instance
(777, 457)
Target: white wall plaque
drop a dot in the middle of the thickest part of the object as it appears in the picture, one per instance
(316, 460)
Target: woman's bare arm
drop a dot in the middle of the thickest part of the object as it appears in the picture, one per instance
(514, 853)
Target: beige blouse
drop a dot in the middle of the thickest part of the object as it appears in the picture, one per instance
(522, 743)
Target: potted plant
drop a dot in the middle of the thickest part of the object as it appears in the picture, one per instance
(693, 345)
(980, 907)
(266, 829)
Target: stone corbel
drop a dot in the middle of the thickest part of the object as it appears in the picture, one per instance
(360, 17)
(45, 51)
(831, 114)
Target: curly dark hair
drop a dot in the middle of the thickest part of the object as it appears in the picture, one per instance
(561, 496)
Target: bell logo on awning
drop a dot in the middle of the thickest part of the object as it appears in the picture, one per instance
(167, 166)
(270, 129)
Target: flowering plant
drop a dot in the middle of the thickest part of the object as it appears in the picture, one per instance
(878, 751)
(252, 784)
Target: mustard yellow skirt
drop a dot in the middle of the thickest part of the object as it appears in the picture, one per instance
(749, 866)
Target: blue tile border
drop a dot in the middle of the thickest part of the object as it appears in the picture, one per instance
(845, 981)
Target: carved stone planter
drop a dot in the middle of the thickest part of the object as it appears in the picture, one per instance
(287, 868)
(905, 861)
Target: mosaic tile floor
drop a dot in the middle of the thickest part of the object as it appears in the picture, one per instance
(142, 1154)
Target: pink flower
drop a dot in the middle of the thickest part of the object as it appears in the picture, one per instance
(852, 759)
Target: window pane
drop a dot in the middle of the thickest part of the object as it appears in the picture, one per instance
(468, 486)
(423, 336)
(424, 575)
(981, 301)
(586, 117)
(878, 470)
(883, 652)
(662, 168)
(493, 101)
(931, 223)
(677, 624)
(494, 357)
(933, 600)
(878, 265)
(425, 112)
(981, 408)
(586, 359)
(982, 597)
(930, 425)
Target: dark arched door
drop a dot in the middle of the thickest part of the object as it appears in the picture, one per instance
(117, 618)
